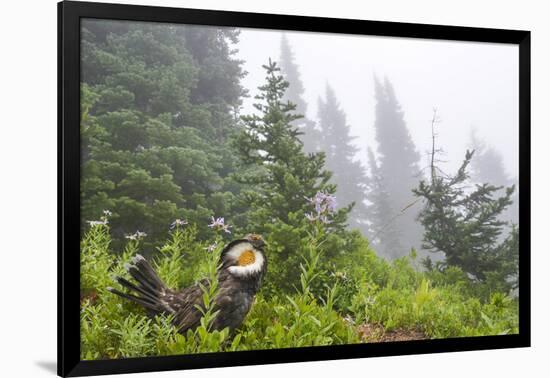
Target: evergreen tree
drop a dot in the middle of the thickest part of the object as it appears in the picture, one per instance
(337, 144)
(379, 213)
(310, 135)
(218, 80)
(398, 170)
(157, 114)
(281, 177)
(464, 224)
(487, 166)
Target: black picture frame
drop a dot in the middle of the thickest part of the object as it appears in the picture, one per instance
(69, 15)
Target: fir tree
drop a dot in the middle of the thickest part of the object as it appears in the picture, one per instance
(156, 119)
(281, 177)
(487, 166)
(283, 174)
(381, 230)
(398, 170)
(310, 135)
(463, 222)
(337, 144)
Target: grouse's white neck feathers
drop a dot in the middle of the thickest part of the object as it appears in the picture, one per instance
(250, 269)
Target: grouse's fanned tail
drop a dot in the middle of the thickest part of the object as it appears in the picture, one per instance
(149, 291)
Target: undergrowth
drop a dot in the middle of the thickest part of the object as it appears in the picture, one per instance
(359, 288)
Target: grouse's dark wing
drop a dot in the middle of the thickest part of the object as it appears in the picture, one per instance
(185, 302)
(232, 305)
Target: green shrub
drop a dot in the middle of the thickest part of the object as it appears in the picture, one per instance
(114, 328)
(439, 312)
(333, 296)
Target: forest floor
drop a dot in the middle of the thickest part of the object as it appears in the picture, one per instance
(375, 333)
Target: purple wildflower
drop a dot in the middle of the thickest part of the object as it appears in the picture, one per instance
(219, 224)
(330, 202)
(324, 204)
(310, 217)
(178, 223)
(212, 247)
(138, 235)
(102, 222)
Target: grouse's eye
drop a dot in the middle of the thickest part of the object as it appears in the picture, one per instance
(246, 258)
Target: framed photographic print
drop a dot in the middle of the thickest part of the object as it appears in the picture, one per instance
(240, 188)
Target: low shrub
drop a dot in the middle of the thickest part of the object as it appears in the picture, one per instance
(331, 299)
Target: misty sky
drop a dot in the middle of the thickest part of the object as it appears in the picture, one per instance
(473, 85)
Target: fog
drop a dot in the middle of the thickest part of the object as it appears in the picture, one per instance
(368, 101)
(472, 85)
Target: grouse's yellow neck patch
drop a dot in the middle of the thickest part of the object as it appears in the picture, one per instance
(246, 258)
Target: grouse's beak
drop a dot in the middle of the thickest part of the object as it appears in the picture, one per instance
(259, 243)
(256, 240)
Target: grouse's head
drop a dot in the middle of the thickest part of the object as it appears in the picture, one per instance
(245, 258)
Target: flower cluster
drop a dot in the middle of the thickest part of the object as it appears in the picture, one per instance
(178, 223)
(219, 224)
(324, 204)
(212, 247)
(103, 221)
(138, 235)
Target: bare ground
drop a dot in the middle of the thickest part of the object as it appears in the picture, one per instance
(88, 296)
(375, 333)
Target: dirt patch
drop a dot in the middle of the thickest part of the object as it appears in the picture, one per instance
(90, 296)
(375, 333)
